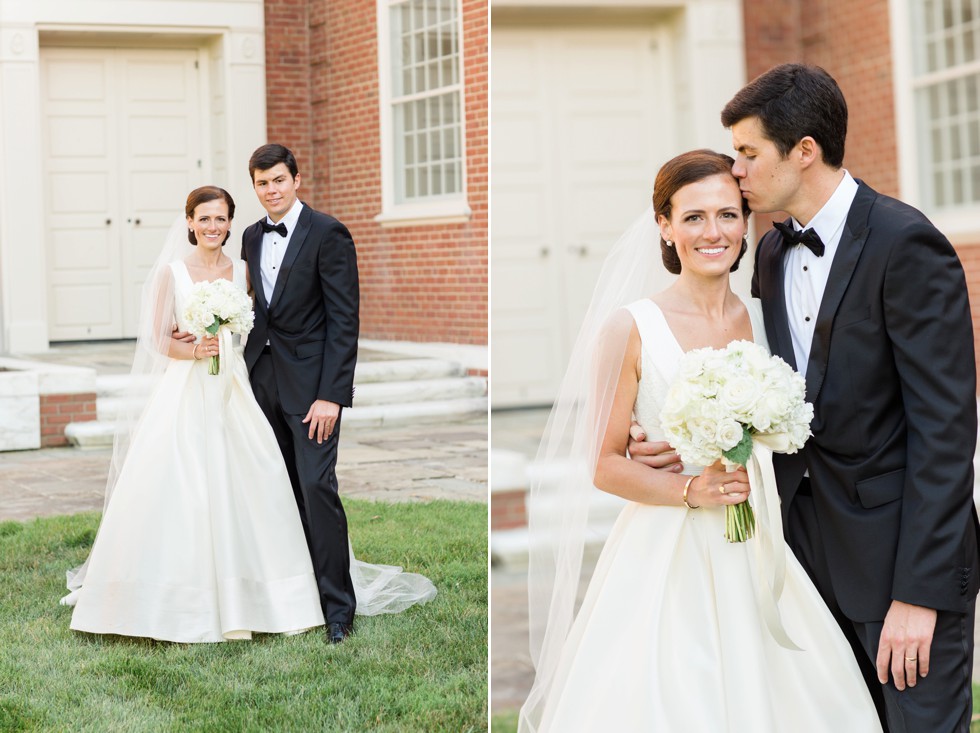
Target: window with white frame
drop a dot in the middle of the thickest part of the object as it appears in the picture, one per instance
(424, 130)
(946, 81)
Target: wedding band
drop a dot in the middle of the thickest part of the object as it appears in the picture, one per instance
(722, 489)
(910, 659)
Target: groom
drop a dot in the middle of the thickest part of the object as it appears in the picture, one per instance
(300, 357)
(868, 301)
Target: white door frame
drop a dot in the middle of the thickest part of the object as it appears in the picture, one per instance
(230, 35)
(707, 61)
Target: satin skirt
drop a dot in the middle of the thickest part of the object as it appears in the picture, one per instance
(670, 638)
(202, 540)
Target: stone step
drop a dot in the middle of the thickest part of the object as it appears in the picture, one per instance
(369, 372)
(420, 390)
(110, 404)
(98, 433)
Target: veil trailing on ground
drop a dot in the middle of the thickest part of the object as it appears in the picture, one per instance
(562, 474)
(156, 321)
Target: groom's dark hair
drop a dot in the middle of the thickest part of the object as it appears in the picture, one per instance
(271, 155)
(793, 101)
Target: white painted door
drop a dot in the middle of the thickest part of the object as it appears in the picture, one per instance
(577, 138)
(122, 137)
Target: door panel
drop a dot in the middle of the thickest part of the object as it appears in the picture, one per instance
(576, 145)
(123, 132)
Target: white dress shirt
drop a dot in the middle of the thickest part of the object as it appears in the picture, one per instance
(274, 249)
(805, 275)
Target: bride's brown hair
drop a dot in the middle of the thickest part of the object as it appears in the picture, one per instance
(683, 170)
(201, 196)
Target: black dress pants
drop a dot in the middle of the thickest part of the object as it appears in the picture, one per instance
(940, 702)
(311, 468)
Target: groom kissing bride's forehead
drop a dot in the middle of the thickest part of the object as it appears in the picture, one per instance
(878, 506)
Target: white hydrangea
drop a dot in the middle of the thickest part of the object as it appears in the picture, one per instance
(221, 300)
(718, 391)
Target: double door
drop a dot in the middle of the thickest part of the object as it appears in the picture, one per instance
(123, 131)
(577, 138)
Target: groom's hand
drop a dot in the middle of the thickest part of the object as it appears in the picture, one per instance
(322, 418)
(906, 638)
(656, 454)
(186, 336)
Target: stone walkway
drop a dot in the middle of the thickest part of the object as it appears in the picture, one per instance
(389, 464)
(402, 463)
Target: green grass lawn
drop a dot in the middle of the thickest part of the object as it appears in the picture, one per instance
(422, 670)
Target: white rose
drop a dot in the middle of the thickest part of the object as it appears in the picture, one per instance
(729, 434)
(739, 396)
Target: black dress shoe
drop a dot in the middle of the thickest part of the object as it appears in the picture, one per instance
(337, 632)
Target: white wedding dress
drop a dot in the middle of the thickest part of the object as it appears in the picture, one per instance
(201, 540)
(670, 637)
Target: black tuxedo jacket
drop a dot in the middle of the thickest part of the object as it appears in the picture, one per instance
(311, 318)
(892, 379)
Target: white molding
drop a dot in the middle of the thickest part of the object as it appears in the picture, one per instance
(233, 26)
(436, 212)
(452, 209)
(905, 126)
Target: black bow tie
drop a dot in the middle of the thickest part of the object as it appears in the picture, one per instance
(808, 238)
(267, 227)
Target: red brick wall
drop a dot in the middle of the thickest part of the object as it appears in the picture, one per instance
(58, 410)
(851, 40)
(508, 510)
(970, 257)
(287, 79)
(418, 283)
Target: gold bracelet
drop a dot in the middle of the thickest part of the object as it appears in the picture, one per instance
(194, 354)
(686, 487)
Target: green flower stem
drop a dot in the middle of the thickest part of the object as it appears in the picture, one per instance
(739, 522)
(213, 365)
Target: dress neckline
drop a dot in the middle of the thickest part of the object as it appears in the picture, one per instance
(677, 343)
(187, 273)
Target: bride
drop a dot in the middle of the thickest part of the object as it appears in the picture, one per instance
(670, 635)
(200, 539)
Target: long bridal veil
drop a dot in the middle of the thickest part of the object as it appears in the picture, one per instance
(377, 588)
(561, 484)
(150, 361)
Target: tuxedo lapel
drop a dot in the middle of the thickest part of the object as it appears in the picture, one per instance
(292, 252)
(781, 342)
(841, 270)
(253, 248)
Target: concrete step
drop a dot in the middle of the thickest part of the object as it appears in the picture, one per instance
(371, 372)
(403, 370)
(394, 392)
(111, 402)
(99, 433)
(420, 390)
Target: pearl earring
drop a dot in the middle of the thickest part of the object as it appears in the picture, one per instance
(668, 243)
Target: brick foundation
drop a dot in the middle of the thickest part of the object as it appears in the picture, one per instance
(507, 510)
(58, 410)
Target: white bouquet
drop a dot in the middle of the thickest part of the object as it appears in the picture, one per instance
(215, 305)
(721, 398)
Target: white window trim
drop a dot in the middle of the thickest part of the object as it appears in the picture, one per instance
(448, 210)
(961, 225)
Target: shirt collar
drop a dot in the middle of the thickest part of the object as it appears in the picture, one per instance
(291, 217)
(831, 217)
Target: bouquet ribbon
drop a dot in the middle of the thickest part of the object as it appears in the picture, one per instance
(770, 547)
(226, 346)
